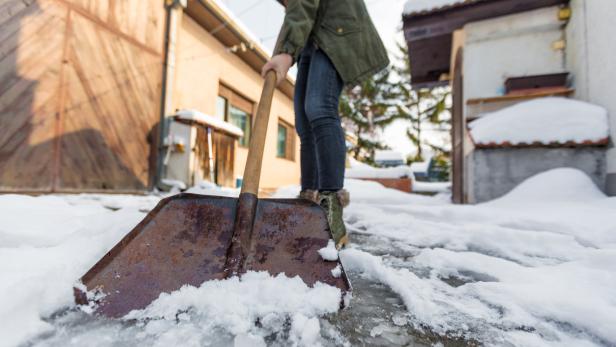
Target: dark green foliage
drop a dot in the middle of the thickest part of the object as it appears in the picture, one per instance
(365, 109)
(425, 109)
(371, 106)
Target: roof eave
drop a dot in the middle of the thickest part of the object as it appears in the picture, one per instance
(429, 33)
(232, 34)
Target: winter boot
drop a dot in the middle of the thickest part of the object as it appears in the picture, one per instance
(311, 195)
(344, 197)
(330, 201)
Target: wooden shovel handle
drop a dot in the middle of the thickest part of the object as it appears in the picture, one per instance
(252, 172)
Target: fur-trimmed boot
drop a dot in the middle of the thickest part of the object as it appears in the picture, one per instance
(332, 204)
(312, 195)
(345, 197)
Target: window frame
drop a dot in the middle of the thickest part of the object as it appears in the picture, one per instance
(242, 103)
(289, 142)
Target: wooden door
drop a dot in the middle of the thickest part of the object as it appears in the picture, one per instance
(225, 157)
(80, 85)
(32, 37)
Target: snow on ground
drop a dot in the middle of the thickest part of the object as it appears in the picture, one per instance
(544, 120)
(534, 268)
(431, 187)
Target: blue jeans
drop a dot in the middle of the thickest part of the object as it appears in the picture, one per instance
(323, 148)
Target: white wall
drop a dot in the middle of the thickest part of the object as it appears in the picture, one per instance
(591, 58)
(511, 46)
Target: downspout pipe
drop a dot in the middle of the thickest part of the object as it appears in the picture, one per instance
(174, 11)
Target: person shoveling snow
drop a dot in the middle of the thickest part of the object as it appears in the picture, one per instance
(333, 43)
(190, 239)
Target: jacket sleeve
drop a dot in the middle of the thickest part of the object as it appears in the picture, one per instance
(298, 22)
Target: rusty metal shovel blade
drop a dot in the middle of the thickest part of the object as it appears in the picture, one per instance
(185, 239)
(189, 239)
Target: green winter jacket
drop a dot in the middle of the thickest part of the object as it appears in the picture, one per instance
(342, 29)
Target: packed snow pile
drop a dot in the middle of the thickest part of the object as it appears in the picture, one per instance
(361, 170)
(417, 6)
(543, 121)
(557, 186)
(235, 305)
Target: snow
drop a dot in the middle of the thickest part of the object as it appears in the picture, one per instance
(235, 304)
(431, 187)
(536, 267)
(174, 184)
(329, 253)
(361, 170)
(46, 243)
(337, 271)
(210, 121)
(420, 166)
(415, 6)
(556, 186)
(388, 155)
(545, 120)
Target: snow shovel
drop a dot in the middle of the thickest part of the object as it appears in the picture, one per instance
(189, 239)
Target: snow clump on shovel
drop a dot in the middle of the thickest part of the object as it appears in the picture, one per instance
(329, 253)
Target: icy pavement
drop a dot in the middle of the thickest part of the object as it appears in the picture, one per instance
(536, 268)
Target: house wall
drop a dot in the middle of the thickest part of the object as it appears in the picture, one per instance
(202, 64)
(591, 48)
(498, 171)
(510, 46)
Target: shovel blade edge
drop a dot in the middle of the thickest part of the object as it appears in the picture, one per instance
(182, 241)
(185, 239)
(286, 237)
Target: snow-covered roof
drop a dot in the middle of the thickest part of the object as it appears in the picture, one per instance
(545, 121)
(208, 121)
(420, 166)
(361, 170)
(388, 155)
(425, 6)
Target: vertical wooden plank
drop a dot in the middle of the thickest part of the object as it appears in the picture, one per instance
(225, 157)
(31, 35)
(457, 130)
(61, 104)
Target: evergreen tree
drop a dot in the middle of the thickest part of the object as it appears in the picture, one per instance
(365, 109)
(425, 109)
(368, 108)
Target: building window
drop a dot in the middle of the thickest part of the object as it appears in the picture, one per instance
(243, 121)
(221, 107)
(237, 110)
(285, 141)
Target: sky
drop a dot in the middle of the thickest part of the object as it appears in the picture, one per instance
(264, 18)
